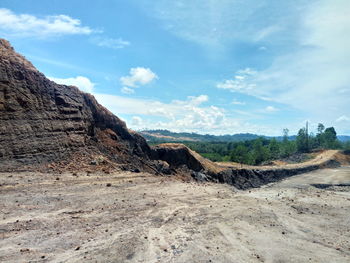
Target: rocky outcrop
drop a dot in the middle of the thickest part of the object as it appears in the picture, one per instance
(41, 121)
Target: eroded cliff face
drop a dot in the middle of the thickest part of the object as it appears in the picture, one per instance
(41, 121)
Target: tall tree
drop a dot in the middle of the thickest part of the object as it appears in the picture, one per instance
(285, 134)
(320, 128)
(274, 148)
(330, 137)
(301, 141)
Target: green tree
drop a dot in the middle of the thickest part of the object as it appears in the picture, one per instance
(240, 154)
(260, 152)
(320, 128)
(302, 141)
(320, 135)
(285, 134)
(330, 138)
(274, 148)
(313, 141)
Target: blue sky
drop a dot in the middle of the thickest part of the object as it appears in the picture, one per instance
(208, 66)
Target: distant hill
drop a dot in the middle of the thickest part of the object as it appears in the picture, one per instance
(158, 136)
(343, 138)
(168, 136)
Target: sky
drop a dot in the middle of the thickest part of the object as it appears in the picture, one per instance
(204, 66)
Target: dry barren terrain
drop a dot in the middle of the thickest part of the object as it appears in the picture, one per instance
(137, 217)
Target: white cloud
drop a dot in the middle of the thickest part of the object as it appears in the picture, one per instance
(127, 90)
(240, 82)
(178, 115)
(271, 109)
(192, 100)
(29, 25)
(343, 118)
(266, 32)
(82, 83)
(138, 76)
(136, 121)
(237, 102)
(114, 43)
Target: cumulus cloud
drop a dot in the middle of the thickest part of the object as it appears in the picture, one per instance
(127, 90)
(114, 43)
(136, 121)
(237, 102)
(343, 118)
(240, 83)
(138, 76)
(178, 115)
(29, 25)
(192, 101)
(271, 109)
(83, 83)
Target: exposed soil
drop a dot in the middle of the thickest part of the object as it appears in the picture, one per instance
(138, 217)
(318, 159)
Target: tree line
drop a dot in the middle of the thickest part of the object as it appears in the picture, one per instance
(260, 150)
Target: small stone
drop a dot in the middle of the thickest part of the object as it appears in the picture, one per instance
(109, 184)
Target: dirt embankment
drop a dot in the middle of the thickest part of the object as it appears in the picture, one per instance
(180, 157)
(255, 176)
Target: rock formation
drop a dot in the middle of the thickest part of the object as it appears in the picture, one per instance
(41, 121)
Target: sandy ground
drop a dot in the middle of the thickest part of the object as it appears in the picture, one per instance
(135, 217)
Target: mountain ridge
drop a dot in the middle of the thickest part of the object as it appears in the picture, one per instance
(169, 136)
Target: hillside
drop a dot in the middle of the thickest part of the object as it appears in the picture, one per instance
(157, 136)
(43, 122)
(168, 136)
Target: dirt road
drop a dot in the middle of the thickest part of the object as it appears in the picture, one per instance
(135, 217)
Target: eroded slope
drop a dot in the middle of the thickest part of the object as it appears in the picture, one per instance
(42, 121)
